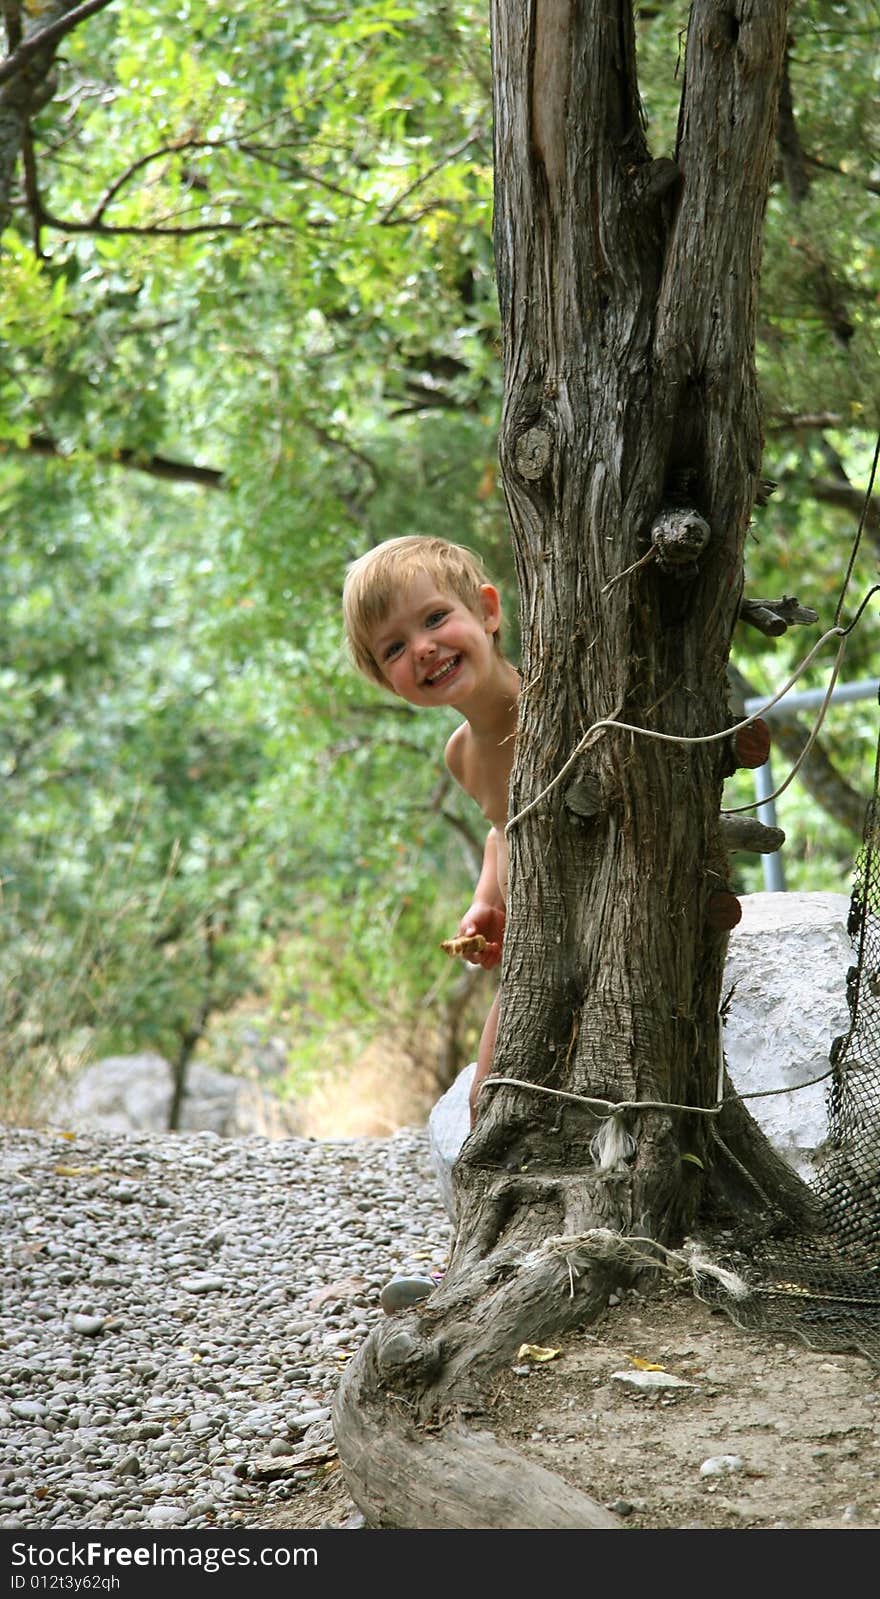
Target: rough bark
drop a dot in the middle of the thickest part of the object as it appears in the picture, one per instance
(627, 290)
(630, 450)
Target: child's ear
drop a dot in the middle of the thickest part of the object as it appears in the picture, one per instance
(490, 604)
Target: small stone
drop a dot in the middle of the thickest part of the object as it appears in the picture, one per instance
(202, 1283)
(401, 1292)
(165, 1516)
(721, 1465)
(27, 1409)
(621, 1507)
(88, 1326)
(649, 1380)
(149, 1429)
(308, 1418)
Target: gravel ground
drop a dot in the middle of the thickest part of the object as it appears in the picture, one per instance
(176, 1312)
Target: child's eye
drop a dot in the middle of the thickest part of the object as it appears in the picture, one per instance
(391, 650)
(436, 617)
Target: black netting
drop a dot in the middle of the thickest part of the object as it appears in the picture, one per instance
(826, 1288)
(849, 1181)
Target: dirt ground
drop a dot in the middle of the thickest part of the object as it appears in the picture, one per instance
(770, 1434)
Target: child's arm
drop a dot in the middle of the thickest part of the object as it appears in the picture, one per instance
(486, 914)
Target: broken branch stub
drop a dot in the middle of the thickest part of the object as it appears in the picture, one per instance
(773, 617)
(679, 535)
(746, 833)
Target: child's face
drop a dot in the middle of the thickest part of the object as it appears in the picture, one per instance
(433, 650)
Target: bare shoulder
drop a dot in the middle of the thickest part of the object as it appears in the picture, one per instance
(456, 752)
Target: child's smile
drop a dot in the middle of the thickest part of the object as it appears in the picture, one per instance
(444, 672)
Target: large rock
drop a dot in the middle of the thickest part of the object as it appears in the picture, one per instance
(787, 963)
(133, 1093)
(788, 960)
(448, 1127)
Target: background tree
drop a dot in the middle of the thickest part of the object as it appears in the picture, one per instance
(631, 456)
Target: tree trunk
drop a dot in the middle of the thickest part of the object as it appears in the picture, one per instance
(631, 451)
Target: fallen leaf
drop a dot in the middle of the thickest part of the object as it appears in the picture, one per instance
(536, 1352)
(25, 1251)
(644, 1365)
(77, 1171)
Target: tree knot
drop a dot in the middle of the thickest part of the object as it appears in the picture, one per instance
(400, 1352)
(583, 797)
(531, 453)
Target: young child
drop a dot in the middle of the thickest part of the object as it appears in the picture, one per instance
(423, 621)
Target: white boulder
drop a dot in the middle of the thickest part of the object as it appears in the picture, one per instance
(133, 1094)
(788, 960)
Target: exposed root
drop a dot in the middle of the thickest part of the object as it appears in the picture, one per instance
(454, 1479)
(408, 1457)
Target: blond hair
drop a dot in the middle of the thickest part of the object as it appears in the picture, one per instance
(374, 581)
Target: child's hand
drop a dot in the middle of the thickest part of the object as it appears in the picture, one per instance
(488, 920)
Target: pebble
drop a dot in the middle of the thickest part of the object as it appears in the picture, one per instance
(89, 1326)
(167, 1320)
(721, 1465)
(401, 1292)
(650, 1380)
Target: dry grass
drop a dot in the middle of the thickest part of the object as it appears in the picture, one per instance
(384, 1088)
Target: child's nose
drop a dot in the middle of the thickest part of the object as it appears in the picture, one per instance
(425, 646)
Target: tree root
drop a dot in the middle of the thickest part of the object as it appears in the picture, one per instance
(456, 1478)
(408, 1457)
(537, 1253)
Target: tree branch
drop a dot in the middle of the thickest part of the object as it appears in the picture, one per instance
(774, 617)
(159, 466)
(47, 37)
(798, 421)
(848, 498)
(162, 229)
(871, 184)
(827, 289)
